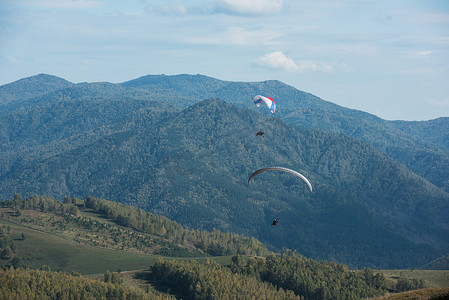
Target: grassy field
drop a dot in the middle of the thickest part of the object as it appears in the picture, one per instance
(58, 250)
(422, 294)
(41, 248)
(431, 278)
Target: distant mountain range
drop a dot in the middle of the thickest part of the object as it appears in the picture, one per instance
(183, 146)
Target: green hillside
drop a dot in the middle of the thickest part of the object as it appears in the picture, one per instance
(430, 293)
(47, 249)
(94, 236)
(436, 131)
(441, 263)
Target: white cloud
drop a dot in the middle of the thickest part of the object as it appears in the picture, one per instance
(423, 53)
(277, 60)
(236, 36)
(238, 7)
(250, 7)
(311, 66)
(178, 8)
(57, 3)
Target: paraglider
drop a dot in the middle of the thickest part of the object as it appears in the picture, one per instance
(267, 100)
(284, 170)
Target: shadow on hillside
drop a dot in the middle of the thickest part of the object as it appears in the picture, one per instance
(161, 286)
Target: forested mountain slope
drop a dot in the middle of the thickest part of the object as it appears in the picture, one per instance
(193, 165)
(26, 88)
(61, 120)
(421, 146)
(435, 131)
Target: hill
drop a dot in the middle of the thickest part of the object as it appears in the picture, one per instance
(103, 234)
(441, 263)
(26, 88)
(430, 293)
(192, 166)
(94, 235)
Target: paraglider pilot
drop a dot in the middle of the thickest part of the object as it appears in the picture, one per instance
(261, 133)
(275, 222)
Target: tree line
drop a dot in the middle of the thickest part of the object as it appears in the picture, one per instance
(214, 243)
(193, 280)
(42, 284)
(312, 279)
(285, 276)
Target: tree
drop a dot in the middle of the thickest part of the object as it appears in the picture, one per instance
(7, 253)
(16, 262)
(17, 198)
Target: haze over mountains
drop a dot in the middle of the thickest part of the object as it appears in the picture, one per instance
(183, 146)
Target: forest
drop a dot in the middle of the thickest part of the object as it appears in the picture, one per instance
(44, 284)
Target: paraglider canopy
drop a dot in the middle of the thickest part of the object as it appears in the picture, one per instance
(267, 100)
(284, 170)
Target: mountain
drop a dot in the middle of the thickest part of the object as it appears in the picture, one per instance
(59, 120)
(435, 131)
(30, 87)
(192, 165)
(421, 146)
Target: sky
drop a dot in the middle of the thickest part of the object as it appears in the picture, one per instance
(386, 57)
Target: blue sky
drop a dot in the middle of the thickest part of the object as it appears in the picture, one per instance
(386, 57)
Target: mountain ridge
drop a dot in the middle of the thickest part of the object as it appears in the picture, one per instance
(38, 84)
